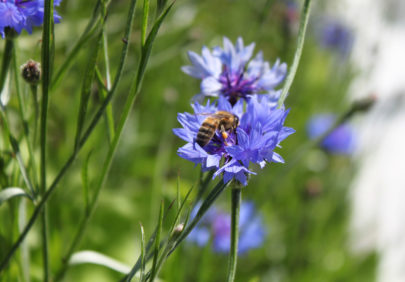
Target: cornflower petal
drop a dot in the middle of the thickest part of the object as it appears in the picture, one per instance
(19, 14)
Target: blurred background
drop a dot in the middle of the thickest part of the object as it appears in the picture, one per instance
(332, 212)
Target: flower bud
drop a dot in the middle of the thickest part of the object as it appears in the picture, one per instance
(31, 72)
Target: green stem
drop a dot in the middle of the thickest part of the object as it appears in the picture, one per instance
(233, 255)
(47, 43)
(7, 55)
(298, 52)
(31, 162)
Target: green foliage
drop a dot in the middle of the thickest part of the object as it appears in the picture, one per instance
(97, 201)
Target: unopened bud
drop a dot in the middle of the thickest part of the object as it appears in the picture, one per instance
(31, 72)
(365, 104)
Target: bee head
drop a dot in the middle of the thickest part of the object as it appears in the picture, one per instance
(236, 121)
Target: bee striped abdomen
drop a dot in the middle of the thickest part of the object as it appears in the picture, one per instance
(207, 131)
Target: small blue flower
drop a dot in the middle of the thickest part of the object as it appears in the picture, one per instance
(341, 141)
(232, 72)
(23, 14)
(259, 133)
(216, 225)
(336, 36)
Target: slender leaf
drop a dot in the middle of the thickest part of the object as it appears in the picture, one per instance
(157, 245)
(12, 192)
(86, 88)
(147, 48)
(25, 254)
(85, 181)
(143, 252)
(93, 257)
(7, 55)
(145, 17)
(178, 200)
(21, 165)
(5, 92)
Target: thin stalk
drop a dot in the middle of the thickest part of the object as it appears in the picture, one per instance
(34, 91)
(145, 17)
(16, 151)
(233, 254)
(103, 92)
(109, 112)
(47, 56)
(298, 52)
(26, 133)
(7, 55)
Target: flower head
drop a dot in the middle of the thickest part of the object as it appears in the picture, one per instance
(259, 133)
(341, 141)
(216, 225)
(232, 72)
(336, 36)
(23, 14)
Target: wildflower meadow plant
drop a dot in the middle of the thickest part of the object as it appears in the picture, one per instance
(236, 80)
(259, 133)
(244, 87)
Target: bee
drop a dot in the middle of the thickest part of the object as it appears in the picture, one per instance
(220, 120)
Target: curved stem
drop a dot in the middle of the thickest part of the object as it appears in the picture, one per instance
(233, 254)
(298, 52)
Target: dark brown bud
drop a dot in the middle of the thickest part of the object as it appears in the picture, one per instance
(31, 72)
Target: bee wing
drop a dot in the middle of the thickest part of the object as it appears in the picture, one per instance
(204, 114)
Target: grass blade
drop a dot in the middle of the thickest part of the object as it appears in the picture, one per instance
(7, 55)
(85, 182)
(143, 252)
(145, 17)
(154, 270)
(93, 257)
(12, 192)
(86, 88)
(24, 173)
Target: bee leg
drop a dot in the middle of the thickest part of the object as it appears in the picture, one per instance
(224, 134)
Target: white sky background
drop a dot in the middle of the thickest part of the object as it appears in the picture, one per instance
(378, 191)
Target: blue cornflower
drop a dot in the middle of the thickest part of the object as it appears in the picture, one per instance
(336, 36)
(23, 14)
(216, 225)
(232, 72)
(341, 141)
(259, 133)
